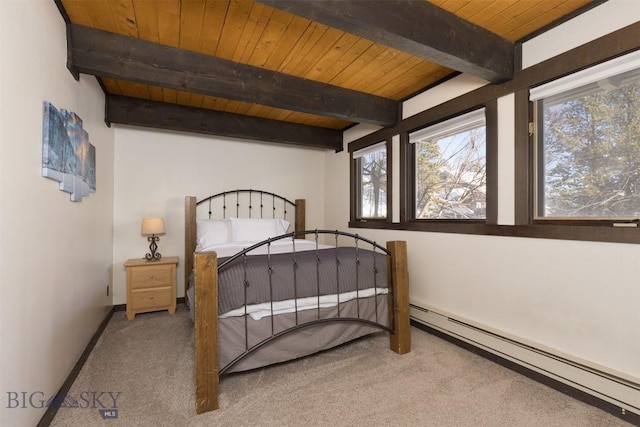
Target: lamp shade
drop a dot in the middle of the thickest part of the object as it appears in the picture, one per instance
(152, 226)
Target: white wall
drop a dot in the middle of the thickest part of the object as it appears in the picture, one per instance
(604, 19)
(155, 170)
(55, 255)
(576, 298)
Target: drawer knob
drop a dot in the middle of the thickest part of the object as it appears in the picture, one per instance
(151, 277)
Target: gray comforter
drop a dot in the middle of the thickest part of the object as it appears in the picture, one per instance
(263, 278)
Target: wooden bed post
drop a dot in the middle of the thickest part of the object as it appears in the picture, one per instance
(206, 331)
(300, 217)
(189, 238)
(400, 342)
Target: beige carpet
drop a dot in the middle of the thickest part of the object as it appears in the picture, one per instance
(149, 361)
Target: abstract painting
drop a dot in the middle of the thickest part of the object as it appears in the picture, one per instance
(67, 155)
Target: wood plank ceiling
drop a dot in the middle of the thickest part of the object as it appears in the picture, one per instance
(295, 72)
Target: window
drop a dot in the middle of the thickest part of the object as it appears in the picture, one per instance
(588, 143)
(371, 166)
(450, 168)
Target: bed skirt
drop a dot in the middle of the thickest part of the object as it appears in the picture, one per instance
(301, 342)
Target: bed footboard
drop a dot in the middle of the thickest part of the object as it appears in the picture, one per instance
(206, 318)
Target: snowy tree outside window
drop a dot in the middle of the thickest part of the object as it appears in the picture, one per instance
(372, 176)
(450, 169)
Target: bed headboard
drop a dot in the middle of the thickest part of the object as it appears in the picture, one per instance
(239, 204)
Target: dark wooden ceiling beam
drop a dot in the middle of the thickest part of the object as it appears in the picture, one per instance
(416, 27)
(160, 115)
(105, 54)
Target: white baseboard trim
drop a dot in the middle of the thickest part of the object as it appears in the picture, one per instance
(618, 390)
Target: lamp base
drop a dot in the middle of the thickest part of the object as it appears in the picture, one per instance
(153, 247)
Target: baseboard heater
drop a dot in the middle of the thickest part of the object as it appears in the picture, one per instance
(615, 388)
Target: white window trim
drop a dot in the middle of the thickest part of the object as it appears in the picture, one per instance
(587, 76)
(453, 126)
(370, 149)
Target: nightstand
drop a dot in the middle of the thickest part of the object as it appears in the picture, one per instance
(151, 285)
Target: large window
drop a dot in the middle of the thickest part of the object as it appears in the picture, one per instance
(588, 143)
(450, 168)
(371, 176)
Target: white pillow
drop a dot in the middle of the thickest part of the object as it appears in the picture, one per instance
(257, 229)
(211, 232)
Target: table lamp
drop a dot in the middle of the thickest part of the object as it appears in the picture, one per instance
(152, 227)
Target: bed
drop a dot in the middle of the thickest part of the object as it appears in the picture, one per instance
(262, 289)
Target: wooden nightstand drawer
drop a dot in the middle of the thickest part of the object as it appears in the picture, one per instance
(153, 298)
(151, 285)
(151, 276)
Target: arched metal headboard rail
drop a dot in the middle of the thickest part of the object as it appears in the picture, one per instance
(286, 203)
(244, 208)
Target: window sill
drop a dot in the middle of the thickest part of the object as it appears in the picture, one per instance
(589, 233)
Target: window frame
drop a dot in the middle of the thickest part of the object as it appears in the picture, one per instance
(355, 185)
(410, 164)
(578, 80)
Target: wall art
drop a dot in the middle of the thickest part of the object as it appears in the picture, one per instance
(67, 155)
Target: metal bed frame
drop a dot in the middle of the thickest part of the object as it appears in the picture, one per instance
(207, 270)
